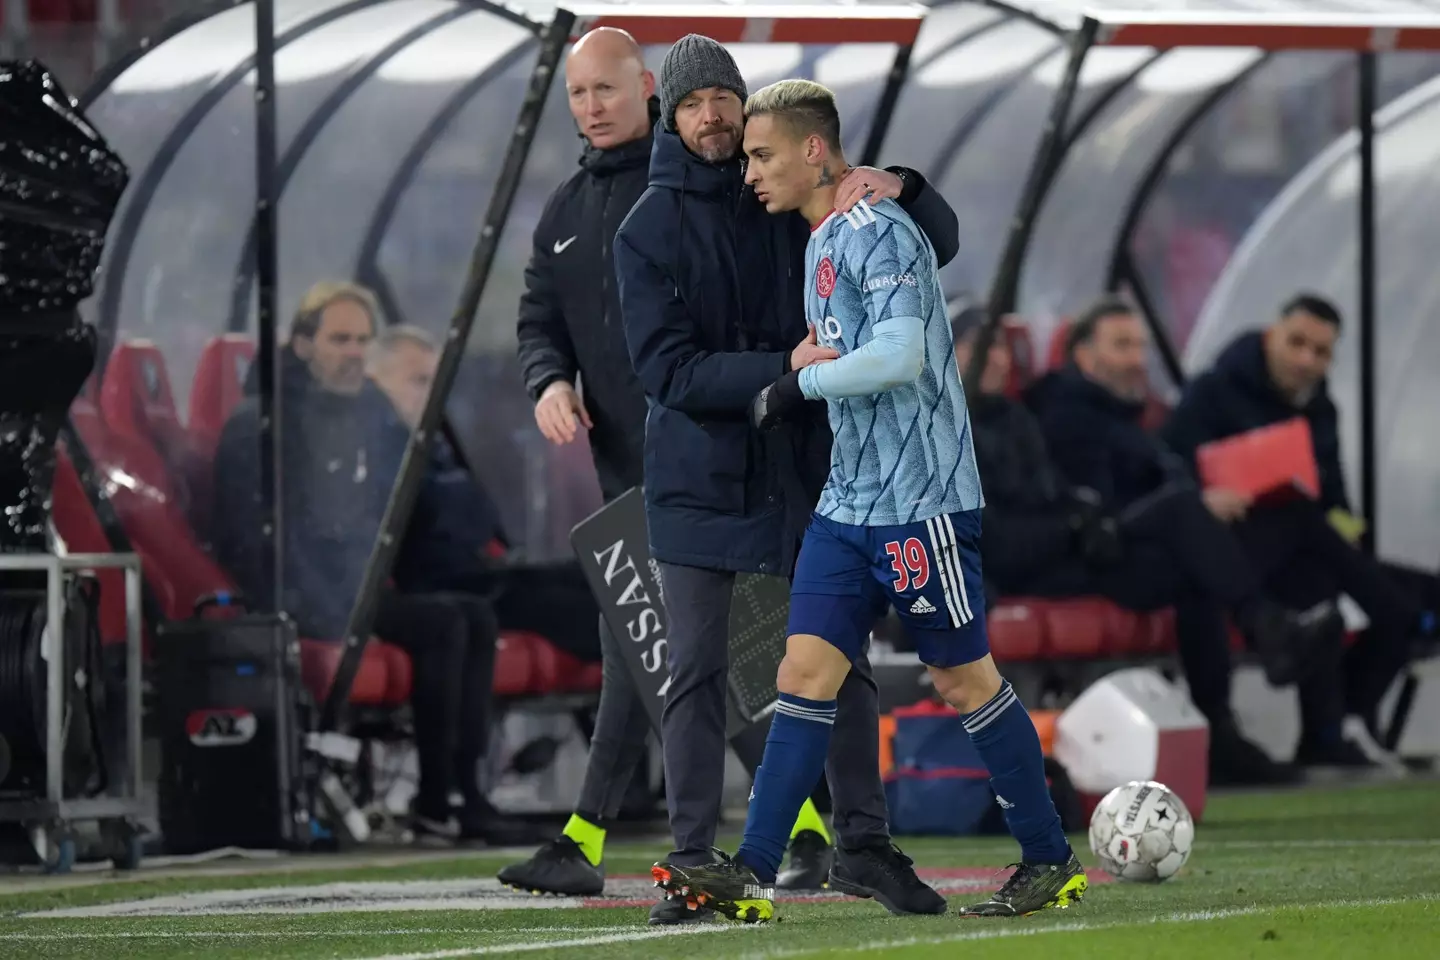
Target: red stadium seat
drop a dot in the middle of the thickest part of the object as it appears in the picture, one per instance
(80, 528)
(1022, 356)
(138, 407)
(218, 388)
(1017, 631)
(383, 679)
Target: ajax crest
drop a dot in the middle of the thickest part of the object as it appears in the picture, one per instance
(825, 278)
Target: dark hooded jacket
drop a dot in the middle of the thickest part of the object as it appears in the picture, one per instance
(340, 456)
(712, 291)
(1237, 395)
(1096, 440)
(569, 324)
(453, 525)
(1027, 510)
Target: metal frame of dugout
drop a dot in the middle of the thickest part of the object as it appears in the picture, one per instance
(48, 819)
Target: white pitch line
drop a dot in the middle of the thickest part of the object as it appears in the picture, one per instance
(633, 936)
(286, 934)
(1078, 926)
(1317, 844)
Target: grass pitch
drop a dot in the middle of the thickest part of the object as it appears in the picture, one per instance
(1339, 873)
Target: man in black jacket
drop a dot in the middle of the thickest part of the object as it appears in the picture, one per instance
(456, 542)
(570, 330)
(1090, 415)
(1047, 538)
(712, 290)
(1267, 377)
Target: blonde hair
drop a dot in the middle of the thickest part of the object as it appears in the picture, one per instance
(322, 295)
(806, 107)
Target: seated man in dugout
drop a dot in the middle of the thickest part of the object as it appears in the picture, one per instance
(1048, 537)
(1274, 571)
(456, 539)
(342, 444)
(1265, 377)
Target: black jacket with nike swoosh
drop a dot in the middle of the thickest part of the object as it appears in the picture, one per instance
(569, 326)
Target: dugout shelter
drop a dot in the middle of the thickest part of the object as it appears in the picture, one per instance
(410, 144)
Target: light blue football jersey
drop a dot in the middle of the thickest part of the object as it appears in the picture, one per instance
(904, 455)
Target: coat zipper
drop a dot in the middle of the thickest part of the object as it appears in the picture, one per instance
(605, 267)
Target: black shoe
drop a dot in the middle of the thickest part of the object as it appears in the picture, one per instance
(1291, 645)
(500, 831)
(434, 833)
(558, 867)
(810, 861)
(673, 911)
(1338, 753)
(724, 885)
(1237, 762)
(1033, 887)
(880, 871)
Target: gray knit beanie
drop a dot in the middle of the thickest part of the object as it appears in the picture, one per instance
(696, 63)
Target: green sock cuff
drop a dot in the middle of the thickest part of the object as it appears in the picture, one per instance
(810, 819)
(590, 838)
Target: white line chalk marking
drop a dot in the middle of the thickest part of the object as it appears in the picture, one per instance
(1080, 926)
(287, 934)
(634, 936)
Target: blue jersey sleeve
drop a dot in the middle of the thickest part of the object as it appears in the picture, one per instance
(891, 266)
(894, 355)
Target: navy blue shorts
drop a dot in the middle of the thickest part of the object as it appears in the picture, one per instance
(929, 571)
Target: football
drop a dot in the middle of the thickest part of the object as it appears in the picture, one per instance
(1142, 832)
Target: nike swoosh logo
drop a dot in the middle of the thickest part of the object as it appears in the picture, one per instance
(560, 245)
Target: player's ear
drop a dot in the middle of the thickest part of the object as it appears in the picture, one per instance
(814, 150)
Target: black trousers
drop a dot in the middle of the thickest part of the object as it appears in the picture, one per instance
(1175, 553)
(551, 599)
(451, 641)
(1303, 562)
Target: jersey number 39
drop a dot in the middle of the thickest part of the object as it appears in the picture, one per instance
(910, 562)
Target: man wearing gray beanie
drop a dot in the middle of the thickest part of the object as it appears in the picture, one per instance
(712, 301)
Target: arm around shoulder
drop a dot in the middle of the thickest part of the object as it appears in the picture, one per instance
(931, 212)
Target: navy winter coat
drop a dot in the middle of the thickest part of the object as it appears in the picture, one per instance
(1096, 440)
(1237, 395)
(711, 287)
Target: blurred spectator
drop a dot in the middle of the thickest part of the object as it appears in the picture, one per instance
(342, 443)
(1047, 538)
(456, 542)
(1090, 412)
(1266, 377)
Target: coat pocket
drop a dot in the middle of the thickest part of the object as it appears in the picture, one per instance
(696, 465)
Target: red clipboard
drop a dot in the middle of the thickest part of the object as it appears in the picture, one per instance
(1270, 463)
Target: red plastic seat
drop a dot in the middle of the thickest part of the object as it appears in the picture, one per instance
(1022, 356)
(383, 679)
(218, 388)
(1017, 630)
(80, 528)
(136, 399)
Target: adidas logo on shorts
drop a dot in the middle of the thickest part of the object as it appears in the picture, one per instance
(922, 605)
